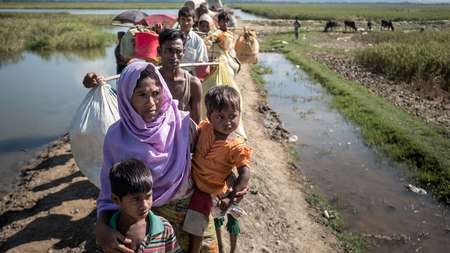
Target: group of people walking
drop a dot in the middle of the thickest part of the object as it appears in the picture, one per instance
(169, 176)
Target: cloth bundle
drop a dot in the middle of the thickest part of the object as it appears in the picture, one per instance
(247, 47)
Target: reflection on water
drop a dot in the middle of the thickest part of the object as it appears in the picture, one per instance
(366, 186)
(40, 94)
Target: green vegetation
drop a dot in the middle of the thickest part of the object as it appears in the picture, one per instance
(394, 12)
(420, 57)
(57, 31)
(87, 5)
(424, 147)
(256, 71)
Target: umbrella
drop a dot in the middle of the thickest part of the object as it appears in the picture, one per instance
(164, 19)
(133, 16)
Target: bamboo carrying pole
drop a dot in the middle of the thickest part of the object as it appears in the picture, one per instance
(183, 65)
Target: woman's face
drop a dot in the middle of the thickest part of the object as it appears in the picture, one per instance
(146, 99)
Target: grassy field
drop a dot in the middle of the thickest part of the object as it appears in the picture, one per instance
(58, 31)
(349, 11)
(84, 5)
(423, 146)
(413, 57)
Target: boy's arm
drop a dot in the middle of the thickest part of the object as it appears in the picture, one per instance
(110, 240)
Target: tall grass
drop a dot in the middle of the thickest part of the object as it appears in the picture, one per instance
(346, 11)
(57, 31)
(422, 57)
(88, 5)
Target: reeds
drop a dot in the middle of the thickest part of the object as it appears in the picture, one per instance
(411, 57)
(52, 31)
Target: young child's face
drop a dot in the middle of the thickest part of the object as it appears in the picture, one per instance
(203, 26)
(136, 205)
(225, 121)
(186, 23)
(223, 25)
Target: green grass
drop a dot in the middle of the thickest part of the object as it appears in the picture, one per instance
(52, 31)
(394, 12)
(419, 57)
(86, 5)
(256, 71)
(424, 147)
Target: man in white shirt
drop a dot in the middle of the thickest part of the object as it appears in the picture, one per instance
(194, 48)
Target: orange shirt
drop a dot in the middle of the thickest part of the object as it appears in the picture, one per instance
(214, 160)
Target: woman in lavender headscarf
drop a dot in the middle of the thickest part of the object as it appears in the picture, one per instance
(151, 129)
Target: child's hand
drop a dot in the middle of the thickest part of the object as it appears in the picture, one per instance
(238, 196)
(224, 203)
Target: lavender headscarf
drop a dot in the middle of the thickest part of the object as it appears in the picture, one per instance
(163, 144)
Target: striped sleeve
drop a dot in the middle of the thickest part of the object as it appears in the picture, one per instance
(165, 241)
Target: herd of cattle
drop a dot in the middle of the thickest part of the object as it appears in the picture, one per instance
(351, 25)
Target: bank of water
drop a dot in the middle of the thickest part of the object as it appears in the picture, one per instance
(40, 94)
(368, 188)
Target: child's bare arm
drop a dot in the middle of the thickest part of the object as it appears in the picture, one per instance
(240, 186)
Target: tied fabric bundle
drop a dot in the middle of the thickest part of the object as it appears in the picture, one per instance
(247, 47)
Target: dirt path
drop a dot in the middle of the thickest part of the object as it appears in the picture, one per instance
(53, 208)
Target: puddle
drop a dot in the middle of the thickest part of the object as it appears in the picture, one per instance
(368, 188)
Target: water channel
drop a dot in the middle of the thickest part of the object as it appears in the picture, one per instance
(367, 187)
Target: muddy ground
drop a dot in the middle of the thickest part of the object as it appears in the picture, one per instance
(53, 207)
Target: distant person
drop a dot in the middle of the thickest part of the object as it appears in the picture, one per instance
(297, 26)
(120, 60)
(194, 48)
(223, 20)
(206, 24)
(131, 189)
(219, 150)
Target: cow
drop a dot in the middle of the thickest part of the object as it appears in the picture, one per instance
(330, 25)
(350, 24)
(387, 24)
(369, 25)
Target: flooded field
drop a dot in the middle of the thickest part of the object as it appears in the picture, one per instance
(368, 188)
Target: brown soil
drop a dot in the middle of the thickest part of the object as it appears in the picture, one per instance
(53, 207)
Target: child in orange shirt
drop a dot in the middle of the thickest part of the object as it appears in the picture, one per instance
(219, 150)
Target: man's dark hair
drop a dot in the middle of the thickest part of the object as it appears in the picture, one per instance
(186, 11)
(130, 176)
(169, 35)
(222, 97)
(225, 16)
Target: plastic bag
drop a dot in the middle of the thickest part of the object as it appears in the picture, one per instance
(96, 113)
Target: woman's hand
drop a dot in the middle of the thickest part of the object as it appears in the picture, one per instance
(111, 241)
(92, 80)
